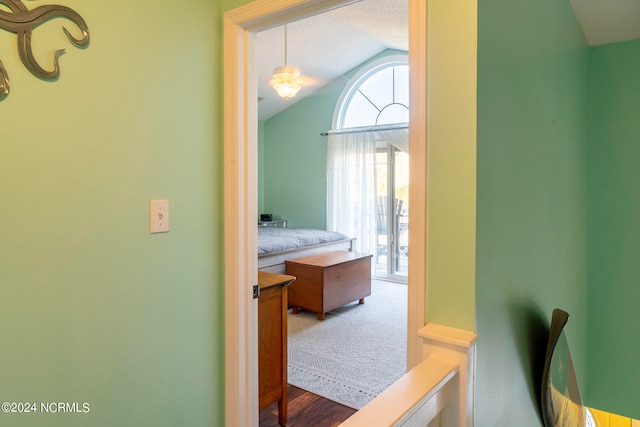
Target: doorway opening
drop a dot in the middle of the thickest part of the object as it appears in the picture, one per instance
(240, 26)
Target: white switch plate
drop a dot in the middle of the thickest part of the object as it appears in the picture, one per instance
(158, 216)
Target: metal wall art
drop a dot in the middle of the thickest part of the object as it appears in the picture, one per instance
(561, 405)
(4, 82)
(23, 21)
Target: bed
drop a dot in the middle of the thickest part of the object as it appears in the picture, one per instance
(277, 244)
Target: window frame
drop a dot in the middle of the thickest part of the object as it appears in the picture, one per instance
(359, 79)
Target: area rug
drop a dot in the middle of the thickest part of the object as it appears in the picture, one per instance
(357, 352)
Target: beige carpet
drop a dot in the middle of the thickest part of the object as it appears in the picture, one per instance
(356, 352)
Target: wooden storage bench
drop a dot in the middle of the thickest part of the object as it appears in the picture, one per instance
(329, 280)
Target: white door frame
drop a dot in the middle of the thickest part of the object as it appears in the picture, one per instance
(241, 194)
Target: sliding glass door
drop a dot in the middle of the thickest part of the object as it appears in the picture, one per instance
(371, 126)
(392, 212)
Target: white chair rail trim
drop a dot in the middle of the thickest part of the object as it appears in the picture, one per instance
(437, 392)
(421, 393)
(447, 335)
(457, 346)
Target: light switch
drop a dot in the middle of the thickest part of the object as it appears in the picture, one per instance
(158, 216)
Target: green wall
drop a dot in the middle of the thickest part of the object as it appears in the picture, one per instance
(295, 160)
(93, 308)
(531, 200)
(294, 155)
(614, 230)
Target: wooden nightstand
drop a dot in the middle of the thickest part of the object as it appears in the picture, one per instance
(272, 341)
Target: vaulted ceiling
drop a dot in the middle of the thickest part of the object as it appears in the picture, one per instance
(326, 46)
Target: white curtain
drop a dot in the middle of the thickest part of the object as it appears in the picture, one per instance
(351, 192)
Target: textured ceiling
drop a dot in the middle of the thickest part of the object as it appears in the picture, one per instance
(326, 46)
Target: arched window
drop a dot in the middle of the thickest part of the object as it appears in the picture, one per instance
(377, 95)
(368, 164)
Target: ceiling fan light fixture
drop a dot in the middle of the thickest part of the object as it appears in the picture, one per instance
(287, 81)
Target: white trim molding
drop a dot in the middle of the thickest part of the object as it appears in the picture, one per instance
(417, 277)
(417, 399)
(240, 211)
(457, 346)
(437, 392)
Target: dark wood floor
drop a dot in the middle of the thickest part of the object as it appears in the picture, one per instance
(307, 410)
